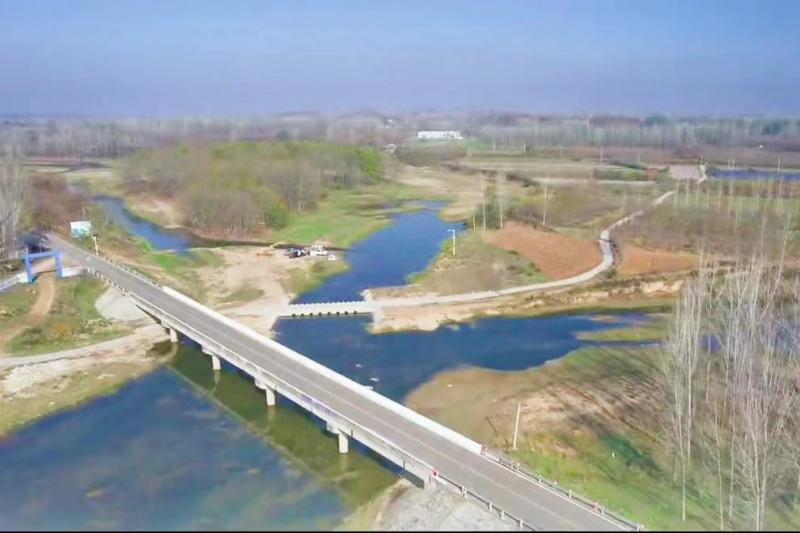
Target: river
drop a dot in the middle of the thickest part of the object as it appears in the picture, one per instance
(182, 448)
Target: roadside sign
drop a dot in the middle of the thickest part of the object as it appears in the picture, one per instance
(80, 229)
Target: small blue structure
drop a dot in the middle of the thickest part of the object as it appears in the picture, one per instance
(50, 253)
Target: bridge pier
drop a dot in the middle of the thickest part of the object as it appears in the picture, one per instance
(344, 444)
(173, 335)
(216, 364)
(269, 392)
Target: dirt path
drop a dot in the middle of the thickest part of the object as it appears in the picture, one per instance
(46, 287)
(44, 301)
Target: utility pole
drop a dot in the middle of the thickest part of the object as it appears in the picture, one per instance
(516, 427)
(96, 249)
(454, 240)
(483, 199)
(544, 212)
(501, 191)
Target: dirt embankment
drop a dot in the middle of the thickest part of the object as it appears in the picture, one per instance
(585, 394)
(558, 256)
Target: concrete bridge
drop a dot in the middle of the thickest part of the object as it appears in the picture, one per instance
(428, 451)
(353, 307)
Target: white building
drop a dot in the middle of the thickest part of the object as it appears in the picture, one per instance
(440, 135)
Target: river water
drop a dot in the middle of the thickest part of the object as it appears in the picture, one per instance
(183, 448)
(754, 174)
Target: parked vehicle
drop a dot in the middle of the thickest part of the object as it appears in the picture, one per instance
(297, 252)
(317, 250)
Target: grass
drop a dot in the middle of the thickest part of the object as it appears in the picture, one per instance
(17, 302)
(477, 265)
(300, 280)
(654, 330)
(347, 215)
(73, 321)
(717, 224)
(245, 293)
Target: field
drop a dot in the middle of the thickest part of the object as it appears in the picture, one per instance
(346, 216)
(636, 261)
(557, 256)
(710, 218)
(477, 265)
(536, 168)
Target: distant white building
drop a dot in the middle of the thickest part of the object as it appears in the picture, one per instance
(450, 135)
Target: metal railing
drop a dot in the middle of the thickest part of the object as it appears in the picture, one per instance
(512, 464)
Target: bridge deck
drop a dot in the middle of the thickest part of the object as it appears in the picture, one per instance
(517, 495)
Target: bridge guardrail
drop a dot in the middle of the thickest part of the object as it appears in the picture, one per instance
(594, 506)
(11, 281)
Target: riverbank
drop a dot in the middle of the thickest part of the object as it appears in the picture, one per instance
(40, 385)
(643, 293)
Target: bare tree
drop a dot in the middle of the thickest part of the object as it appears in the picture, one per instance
(679, 362)
(13, 192)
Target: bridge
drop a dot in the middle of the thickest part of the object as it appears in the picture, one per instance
(428, 451)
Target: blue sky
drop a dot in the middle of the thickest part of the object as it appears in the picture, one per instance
(232, 57)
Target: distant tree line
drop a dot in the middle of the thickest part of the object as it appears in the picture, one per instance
(80, 138)
(235, 187)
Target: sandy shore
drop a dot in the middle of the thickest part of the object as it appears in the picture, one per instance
(630, 293)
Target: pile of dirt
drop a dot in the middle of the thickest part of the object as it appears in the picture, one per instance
(557, 256)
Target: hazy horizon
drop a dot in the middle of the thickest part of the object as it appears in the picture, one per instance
(211, 59)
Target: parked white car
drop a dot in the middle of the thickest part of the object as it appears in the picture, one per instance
(318, 250)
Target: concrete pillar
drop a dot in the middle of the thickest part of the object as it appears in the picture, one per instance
(343, 443)
(270, 393)
(173, 335)
(216, 364)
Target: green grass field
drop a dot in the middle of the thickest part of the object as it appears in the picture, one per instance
(654, 330)
(301, 281)
(347, 215)
(477, 265)
(245, 293)
(73, 321)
